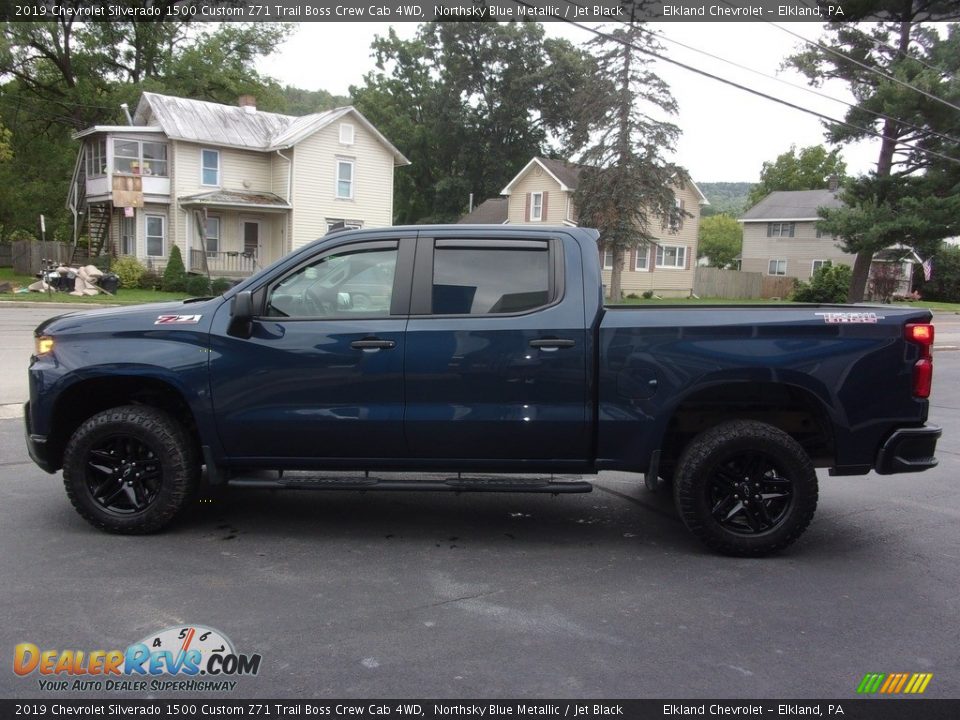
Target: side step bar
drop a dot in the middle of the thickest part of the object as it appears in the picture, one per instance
(296, 481)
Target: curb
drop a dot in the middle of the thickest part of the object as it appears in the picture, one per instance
(11, 411)
(55, 305)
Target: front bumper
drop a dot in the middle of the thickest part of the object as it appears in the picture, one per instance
(909, 450)
(37, 445)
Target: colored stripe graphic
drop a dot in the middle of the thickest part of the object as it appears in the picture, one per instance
(894, 683)
(870, 683)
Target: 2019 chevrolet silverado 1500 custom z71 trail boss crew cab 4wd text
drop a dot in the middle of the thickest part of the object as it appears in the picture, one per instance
(476, 349)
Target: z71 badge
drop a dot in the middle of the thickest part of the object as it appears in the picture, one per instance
(177, 319)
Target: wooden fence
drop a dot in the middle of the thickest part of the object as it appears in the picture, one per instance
(27, 256)
(727, 284)
(733, 284)
(6, 255)
(776, 287)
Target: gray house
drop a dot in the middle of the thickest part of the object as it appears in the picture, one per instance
(780, 235)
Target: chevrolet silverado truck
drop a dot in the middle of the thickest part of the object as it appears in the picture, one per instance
(475, 358)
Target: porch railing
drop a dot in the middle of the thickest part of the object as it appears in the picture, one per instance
(224, 262)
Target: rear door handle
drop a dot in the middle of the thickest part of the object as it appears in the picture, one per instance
(550, 344)
(372, 344)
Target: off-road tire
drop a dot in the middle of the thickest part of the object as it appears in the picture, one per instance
(697, 481)
(174, 449)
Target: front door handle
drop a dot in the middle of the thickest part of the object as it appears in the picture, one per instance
(550, 344)
(372, 344)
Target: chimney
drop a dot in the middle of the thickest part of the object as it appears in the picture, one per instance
(248, 103)
(833, 184)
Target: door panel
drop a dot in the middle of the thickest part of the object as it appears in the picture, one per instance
(318, 378)
(476, 387)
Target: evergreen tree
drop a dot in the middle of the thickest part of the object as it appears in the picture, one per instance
(911, 196)
(625, 187)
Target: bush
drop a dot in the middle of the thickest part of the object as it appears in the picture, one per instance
(197, 285)
(175, 274)
(647, 294)
(150, 280)
(18, 235)
(829, 284)
(944, 282)
(220, 285)
(130, 271)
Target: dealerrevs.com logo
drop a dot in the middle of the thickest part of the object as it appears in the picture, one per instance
(184, 658)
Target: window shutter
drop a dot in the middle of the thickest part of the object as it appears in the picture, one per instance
(543, 207)
(526, 212)
(652, 261)
(792, 226)
(686, 253)
(631, 263)
(769, 229)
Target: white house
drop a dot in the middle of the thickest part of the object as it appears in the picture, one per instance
(233, 187)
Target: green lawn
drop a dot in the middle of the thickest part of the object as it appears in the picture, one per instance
(124, 297)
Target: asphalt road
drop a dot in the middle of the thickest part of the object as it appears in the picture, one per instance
(602, 595)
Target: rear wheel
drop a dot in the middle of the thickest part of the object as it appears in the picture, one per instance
(130, 469)
(745, 488)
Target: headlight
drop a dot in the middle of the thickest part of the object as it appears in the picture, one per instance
(44, 345)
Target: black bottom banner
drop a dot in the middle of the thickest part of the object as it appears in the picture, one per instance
(873, 709)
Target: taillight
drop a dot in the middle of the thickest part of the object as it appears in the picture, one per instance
(921, 334)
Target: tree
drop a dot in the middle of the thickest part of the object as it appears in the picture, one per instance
(62, 76)
(175, 273)
(944, 282)
(720, 240)
(810, 169)
(625, 186)
(473, 102)
(911, 196)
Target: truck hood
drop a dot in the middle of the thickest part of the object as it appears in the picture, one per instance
(193, 314)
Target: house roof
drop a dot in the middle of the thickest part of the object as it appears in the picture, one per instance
(791, 205)
(234, 126)
(489, 212)
(236, 198)
(117, 129)
(567, 174)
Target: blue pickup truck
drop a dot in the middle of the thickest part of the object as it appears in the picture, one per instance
(482, 352)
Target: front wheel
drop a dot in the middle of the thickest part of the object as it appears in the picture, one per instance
(745, 488)
(130, 469)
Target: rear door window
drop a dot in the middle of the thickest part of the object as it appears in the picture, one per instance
(470, 279)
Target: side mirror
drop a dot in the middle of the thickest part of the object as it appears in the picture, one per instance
(241, 315)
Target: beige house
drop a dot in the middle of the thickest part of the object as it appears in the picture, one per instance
(542, 192)
(780, 235)
(234, 188)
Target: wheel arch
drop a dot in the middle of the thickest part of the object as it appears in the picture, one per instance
(794, 407)
(89, 395)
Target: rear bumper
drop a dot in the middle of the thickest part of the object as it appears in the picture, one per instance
(37, 445)
(909, 450)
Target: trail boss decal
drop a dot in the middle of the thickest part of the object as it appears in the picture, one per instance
(850, 317)
(177, 319)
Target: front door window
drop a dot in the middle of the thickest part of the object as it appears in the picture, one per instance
(251, 238)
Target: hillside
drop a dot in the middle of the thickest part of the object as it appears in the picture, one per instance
(725, 197)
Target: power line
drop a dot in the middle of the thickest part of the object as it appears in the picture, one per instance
(870, 68)
(804, 88)
(758, 93)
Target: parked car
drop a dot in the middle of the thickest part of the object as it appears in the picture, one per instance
(478, 349)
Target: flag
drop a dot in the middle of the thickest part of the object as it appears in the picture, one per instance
(928, 269)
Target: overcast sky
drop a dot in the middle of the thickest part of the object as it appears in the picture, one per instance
(727, 133)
